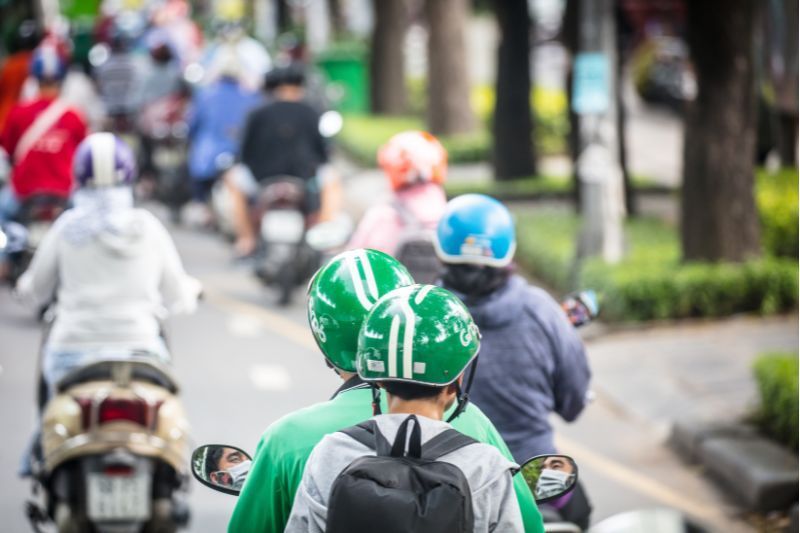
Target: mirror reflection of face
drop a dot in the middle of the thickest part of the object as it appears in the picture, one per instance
(230, 458)
(561, 464)
(550, 476)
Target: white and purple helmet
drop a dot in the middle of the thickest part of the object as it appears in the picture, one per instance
(103, 160)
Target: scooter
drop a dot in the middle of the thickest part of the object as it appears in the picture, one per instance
(36, 216)
(292, 245)
(113, 450)
(164, 134)
(283, 259)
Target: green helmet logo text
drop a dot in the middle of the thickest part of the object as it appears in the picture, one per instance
(340, 295)
(421, 334)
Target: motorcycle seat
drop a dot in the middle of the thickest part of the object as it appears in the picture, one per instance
(140, 370)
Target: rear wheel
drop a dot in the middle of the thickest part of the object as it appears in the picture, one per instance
(285, 279)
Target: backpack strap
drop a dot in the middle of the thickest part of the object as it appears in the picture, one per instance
(367, 433)
(407, 216)
(414, 440)
(445, 442)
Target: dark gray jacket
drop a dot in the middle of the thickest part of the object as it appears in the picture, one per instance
(532, 362)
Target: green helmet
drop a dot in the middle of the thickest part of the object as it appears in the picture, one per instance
(421, 334)
(341, 294)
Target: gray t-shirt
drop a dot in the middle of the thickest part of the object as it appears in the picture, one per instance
(487, 471)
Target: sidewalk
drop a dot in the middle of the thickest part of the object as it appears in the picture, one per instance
(692, 369)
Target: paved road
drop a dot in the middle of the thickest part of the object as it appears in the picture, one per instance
(243, 363)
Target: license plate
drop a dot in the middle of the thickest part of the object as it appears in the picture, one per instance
(118, 497)
(282, 225)
(168, 157)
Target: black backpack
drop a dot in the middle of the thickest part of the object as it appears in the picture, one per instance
(415, 247)
(397, 492)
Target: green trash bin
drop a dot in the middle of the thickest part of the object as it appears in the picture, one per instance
(345, 73)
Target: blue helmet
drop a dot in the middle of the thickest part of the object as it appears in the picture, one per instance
(47, 64)
(476, 229)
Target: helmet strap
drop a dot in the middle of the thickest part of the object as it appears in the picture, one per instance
(376, 399)
(462, 398)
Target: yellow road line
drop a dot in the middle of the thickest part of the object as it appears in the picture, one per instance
(632, 479)
(271, 320)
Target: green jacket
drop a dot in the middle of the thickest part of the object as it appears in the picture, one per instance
(266, 499)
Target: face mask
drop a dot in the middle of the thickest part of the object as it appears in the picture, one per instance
(239, 473)
(551, 483)
(474, 280)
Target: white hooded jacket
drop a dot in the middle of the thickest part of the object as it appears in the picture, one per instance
(112, 289)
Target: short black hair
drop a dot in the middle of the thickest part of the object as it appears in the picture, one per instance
(411, 391)
(213, 458)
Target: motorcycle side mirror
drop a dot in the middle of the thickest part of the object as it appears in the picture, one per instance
(13, 237)
(221, 467)
(330, 235)
(99, 54)
(550, 476)
(330, 123)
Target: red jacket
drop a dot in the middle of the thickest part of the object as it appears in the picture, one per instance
(47, 168)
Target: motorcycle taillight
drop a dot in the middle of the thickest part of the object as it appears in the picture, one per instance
(114, 409)
(118, 470)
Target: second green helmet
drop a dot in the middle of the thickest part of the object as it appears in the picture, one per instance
(420, 334)
(341, 294)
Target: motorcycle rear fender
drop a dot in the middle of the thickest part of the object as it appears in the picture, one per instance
(64, 437)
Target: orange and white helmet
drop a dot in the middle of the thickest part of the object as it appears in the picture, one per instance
(413, 157)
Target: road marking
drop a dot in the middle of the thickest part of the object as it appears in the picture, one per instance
(271, 321)
(242, 325)
(630, 478)
(270, 377)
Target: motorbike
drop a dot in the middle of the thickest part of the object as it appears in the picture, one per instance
(113, 447)
(34, 219)
(291, 245)
(283, 259)
(164, 134)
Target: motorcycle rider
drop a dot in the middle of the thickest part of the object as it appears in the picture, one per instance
(111, 269)
(40, 136)
(340, 296)
(119, 78)
(524, 329)
(415, 163)
(249, 53)
(422, 378)
(16, 67)
(281, 138)
(216, 117)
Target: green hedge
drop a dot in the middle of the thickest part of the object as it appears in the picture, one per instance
(651, 282)
(776, 196)
(534, 187)
(363, 135)
(777, 376)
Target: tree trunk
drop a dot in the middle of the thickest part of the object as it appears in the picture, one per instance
(449, 109)
(719, 218)
(513, 153)
(338, 23)
(388, 93)
(569, 37)
(622, 115)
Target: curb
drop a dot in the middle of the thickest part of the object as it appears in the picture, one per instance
(756, 472)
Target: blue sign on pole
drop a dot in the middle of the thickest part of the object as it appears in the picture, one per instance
(591, 83)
